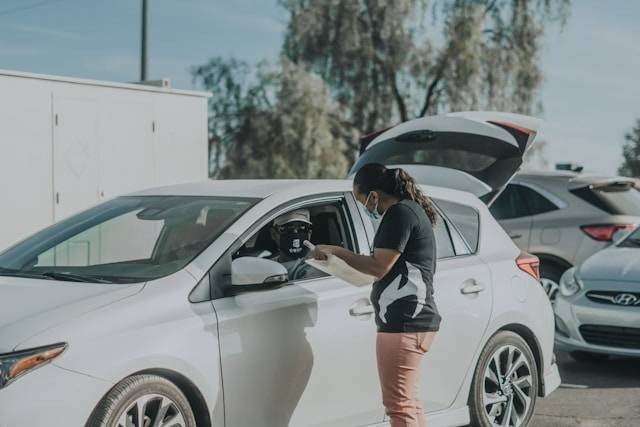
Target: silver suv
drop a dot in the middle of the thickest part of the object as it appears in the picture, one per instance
(564, 217)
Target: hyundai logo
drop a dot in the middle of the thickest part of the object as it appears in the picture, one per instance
(625, 299)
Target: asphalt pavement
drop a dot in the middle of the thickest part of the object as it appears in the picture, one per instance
(602, 393)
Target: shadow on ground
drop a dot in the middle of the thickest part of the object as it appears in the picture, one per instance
(602, 393)
(614, 372)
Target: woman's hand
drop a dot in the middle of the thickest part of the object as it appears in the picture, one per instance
(377, 265)
(322, 252)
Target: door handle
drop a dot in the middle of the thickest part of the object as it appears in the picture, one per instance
(361, 307)
(515, 236)
(472, 288)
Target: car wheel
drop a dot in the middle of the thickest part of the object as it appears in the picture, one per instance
(583, 356)
(141, 401)
(550, 279)
(505, 383)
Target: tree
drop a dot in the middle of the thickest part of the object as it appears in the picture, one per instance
(536, 157)
(631, 153)
(355, 66)
(384, 63)
(272, 122)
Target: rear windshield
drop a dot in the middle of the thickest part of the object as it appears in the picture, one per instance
(616, 200)
(125, 240)
(444, 152)
(490, 160)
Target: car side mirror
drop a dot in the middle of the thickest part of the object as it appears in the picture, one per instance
(256, 274)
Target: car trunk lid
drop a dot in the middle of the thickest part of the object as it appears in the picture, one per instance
(478, 152)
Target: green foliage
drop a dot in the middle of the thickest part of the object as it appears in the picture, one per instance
(631, 153)
(386, 62)
(352, 66)
(272, 122)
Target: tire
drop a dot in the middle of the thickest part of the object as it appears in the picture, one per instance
(586, 357)
(519, 391)
(142, 397)
(550, 274)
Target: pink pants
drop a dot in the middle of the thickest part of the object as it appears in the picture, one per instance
(399, 356)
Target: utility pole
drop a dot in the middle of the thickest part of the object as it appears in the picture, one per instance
(143, 42)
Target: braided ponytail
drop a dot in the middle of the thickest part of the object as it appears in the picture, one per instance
(407, 188)
(396, 182)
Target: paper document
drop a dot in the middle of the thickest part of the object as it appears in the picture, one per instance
(337, 267)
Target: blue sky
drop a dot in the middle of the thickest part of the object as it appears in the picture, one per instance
(591, 94)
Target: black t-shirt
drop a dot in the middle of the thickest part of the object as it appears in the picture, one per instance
(403, 298)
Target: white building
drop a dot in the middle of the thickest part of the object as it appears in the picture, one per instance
(67, 144)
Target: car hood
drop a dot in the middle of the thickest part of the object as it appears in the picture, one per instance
(30, 306)
(613, 263)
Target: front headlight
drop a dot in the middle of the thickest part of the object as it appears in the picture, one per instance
(570, 284)
(13, 365)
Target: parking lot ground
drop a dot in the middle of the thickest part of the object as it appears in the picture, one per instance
(604, 393)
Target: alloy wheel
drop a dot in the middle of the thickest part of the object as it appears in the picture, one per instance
(151, 410)
(507, 387)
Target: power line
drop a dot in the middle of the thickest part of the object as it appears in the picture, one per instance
(27, 7)
(143, 42)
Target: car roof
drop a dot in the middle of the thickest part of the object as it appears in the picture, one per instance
(546, 174)
(263, 188)
(573, 177)
(253, 188)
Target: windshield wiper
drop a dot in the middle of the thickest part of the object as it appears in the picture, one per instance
(73, 277)
(52, 275)
(20, 273)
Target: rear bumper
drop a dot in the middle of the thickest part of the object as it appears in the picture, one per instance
(50, 396)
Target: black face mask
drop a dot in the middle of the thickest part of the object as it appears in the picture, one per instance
(291, 244)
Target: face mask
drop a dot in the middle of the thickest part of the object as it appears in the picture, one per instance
(373, 214)
(291, 244)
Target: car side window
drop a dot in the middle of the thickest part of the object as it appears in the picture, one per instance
(444, 245)
(535, 201)
(465, 218)
(329, 225)
(510, 204)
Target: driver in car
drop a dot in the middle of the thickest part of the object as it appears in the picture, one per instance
(289, 231)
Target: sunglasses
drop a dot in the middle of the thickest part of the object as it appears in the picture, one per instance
(295, 227)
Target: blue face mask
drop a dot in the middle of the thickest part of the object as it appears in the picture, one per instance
(373, 214)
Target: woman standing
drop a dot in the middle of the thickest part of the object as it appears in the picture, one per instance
(403, 260)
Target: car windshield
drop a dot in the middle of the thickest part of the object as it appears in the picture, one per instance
(125, 240)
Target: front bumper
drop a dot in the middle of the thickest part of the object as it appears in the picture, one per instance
(50, 396)
(578, 311)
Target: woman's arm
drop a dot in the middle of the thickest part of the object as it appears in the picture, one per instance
(377, 265)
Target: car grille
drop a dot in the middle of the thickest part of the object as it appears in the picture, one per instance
(611, 336)
(615, 298)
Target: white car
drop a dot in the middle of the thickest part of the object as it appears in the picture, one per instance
(162, 308)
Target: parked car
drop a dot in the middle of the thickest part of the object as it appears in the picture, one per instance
(598, 306)
(565, 217)
(140, 311)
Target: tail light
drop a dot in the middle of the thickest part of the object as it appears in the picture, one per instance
(605, 232)
(530, 264)
(366, 139)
